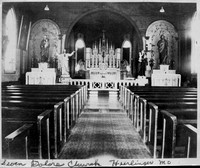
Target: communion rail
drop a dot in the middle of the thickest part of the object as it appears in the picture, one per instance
(108, 85)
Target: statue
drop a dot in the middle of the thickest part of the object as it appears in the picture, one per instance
(64, 61)
(142, 63)
(44, 46)
(163, 48)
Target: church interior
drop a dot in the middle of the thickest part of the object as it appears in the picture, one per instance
(82, 80)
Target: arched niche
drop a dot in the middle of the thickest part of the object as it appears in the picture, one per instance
(153, 34)
(80, 48)
(127, 54)
(44, 27)
(80, 56)
(116, 25)
(10, 43)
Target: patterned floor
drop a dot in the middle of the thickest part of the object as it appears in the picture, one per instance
(106, 131)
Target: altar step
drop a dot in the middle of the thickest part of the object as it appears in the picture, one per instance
(103, 92)
(103, 101)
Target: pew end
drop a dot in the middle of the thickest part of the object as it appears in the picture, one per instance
(143, 118)
(44, 149)
(19, 136)
(168, 134)
(152, 141)
(191, 145)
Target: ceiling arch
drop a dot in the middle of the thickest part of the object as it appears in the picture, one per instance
(115, 25)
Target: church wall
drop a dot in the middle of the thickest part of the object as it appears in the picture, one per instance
(21, 53)
(133, 11)
(141, 22)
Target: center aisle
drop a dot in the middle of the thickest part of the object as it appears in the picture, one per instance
(104, 129)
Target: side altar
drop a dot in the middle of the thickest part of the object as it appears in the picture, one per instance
(165, 77)
(41, 75)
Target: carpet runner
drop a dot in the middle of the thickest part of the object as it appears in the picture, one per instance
(107, 131)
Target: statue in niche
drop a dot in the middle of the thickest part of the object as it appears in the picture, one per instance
(163, 50)
(44, 52)
(64, 62)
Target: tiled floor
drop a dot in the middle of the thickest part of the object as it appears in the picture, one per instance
(104, 129)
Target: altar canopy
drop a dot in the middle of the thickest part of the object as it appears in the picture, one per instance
(103, 60)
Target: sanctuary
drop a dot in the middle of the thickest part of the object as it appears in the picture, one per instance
(104, 66)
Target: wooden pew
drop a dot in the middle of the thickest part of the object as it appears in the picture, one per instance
(154, 134)
(173, 129)
(43, 87)
(78, 101)
(44, 129)
(58, 121)
(19, 135)
(152, 129)
(191, 145)
(181, 94)
(191, 103)
(60, 138)
(139, 115)
(176, 106)
(160, 88)
(57, 86)
(55, 96)
(168, 134)
(35, 117)
(50, 98)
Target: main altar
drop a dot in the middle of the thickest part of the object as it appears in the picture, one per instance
(102, 61)
(103, 65)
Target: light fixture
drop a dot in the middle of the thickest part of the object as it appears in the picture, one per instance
(162, 10)
(46, 8)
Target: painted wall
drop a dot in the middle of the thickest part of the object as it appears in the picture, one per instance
(41, 28)
(154, 32)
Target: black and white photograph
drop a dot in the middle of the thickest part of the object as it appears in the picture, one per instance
(100, 83)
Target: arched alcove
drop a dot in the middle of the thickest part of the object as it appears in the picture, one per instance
(114, 24)
(154, 32)
(10, 43)
(44, 27)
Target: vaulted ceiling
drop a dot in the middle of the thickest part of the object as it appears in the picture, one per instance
(92, 24)
(115, 27)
